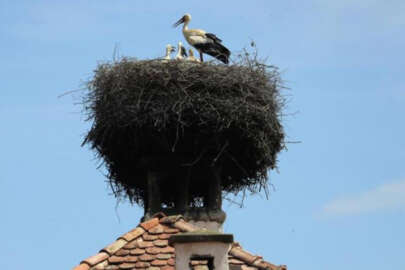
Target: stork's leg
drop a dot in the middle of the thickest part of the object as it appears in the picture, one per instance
(201, 57)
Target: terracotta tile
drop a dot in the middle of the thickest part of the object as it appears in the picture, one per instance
(142, 264)
(242, 255)
(145, 244)
(167, 267)
(82, 266)
(164, 236)
(149, 224)
(100, 266)
(113, 247)
(111, 267)
(99, 257)
(184, 226)
(116, 259)
(171, 230)
(129, 236)
(127, 265)
(266, 265)
(153, 268)
(171, 262)
(235, 261)
(167, 249)
(153, 250)
(160, 243)
(131, 259)
(156, 230)
(170, 219)
(259, 262)
(137, 251)
(158, 263)
(147, 258)
(149, 237)
(131, 245)
(122, 252)
(163, 256)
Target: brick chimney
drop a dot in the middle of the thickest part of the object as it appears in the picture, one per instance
(201, 250)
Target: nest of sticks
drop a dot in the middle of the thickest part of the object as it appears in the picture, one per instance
(184, 118)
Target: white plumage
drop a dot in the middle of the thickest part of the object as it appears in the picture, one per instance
(204, 42)
(181, 51)
(191, 56)
(169, 50)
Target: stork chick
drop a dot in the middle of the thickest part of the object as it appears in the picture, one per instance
(169, 50)
(191, 56)
(181, 51)
(204, 42)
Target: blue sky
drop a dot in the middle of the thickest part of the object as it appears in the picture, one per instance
(339, 196)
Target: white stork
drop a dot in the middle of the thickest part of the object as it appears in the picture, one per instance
(191, 56)
(181, 51)
(169, 50)
(204, 42)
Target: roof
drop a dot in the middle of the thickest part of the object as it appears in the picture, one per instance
(147, 248)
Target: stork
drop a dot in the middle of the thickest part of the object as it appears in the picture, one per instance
(181, 51)
(204, 42)
(191, 56)
(169, 50)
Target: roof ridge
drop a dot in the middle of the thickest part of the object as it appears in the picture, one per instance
(159, 236)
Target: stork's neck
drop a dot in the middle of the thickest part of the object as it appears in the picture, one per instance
(179, 52)
(185, 26)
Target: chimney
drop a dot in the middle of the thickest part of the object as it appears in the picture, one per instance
(201, 250)
(209, 215)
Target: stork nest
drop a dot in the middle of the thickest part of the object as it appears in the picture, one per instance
(184, 118)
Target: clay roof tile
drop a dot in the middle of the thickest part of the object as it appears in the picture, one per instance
(82, 266)
(129, 236)
(156, 230)
(185, 226)
(113, 247)
(149, 224)
(170, 219)
(95, 259)
(147, 248)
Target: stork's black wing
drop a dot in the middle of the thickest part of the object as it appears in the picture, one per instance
(213, 37)
(214, 49)
(183, 51)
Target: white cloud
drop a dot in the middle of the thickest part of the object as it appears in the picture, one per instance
(382, 198)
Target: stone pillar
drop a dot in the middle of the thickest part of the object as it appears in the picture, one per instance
(182, 198)
(214, 191)
(153, 205)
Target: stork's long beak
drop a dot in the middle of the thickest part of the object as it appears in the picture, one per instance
(179, 22)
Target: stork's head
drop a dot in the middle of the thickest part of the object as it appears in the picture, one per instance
(186, 18)
(170, 48)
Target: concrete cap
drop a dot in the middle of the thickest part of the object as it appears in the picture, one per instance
(200, 236)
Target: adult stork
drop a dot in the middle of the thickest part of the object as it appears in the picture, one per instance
(181, 51)
(204, 42)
